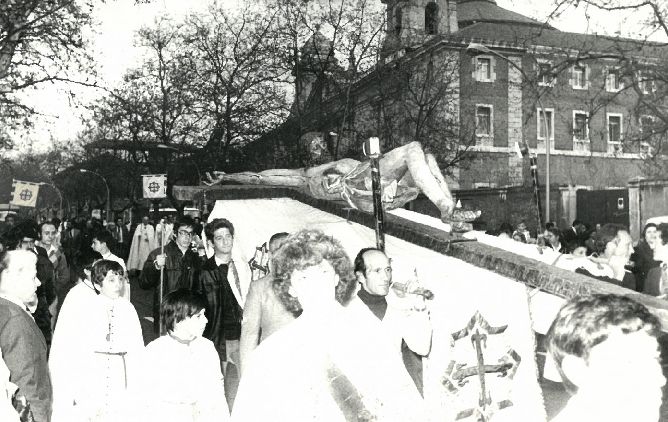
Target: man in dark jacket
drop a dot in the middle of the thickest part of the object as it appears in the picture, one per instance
(180, 263)
(225, 291)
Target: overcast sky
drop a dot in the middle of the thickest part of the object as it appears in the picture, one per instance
(119, 19)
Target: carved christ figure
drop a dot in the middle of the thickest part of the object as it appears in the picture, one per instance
(405, 172)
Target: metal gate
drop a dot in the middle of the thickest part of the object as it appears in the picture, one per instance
(603, 206)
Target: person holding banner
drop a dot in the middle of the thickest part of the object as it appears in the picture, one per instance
(172, 266)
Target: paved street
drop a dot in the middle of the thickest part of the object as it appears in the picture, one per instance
(143, 300)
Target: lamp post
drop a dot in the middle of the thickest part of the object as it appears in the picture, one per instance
(108, 191)
(60, 196)
(199, 173)
(482, 49)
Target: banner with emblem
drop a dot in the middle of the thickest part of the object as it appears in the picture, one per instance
(24, 194)
(154, 186)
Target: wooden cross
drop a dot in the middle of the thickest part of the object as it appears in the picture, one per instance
(457, 374)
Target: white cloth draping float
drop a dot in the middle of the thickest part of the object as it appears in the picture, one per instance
(473, 308)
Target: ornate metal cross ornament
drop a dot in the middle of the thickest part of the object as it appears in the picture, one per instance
(154, 187)
(459, 375)
(25, 195)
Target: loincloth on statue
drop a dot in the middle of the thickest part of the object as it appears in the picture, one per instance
(351, 187)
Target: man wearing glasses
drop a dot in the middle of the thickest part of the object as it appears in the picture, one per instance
(180, 265)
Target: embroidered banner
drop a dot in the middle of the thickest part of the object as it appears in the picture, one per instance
(155, 186)
(24, 194)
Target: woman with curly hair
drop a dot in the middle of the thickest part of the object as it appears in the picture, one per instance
(325, 365)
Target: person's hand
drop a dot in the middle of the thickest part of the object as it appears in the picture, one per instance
(160, 261)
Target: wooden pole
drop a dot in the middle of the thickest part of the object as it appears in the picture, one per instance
(161, 287)
(372, 150)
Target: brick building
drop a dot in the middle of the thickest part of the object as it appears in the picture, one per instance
(588, 88)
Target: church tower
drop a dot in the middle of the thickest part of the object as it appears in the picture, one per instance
(412, 22)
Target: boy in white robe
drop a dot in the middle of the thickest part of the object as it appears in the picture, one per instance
(181, 377)
(96, 343)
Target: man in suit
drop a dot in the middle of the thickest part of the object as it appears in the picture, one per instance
(23, 237)
(47, 232)
(23, 345)
(122, 236)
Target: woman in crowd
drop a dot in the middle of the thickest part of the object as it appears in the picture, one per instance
(656, 283)
(181, 379)
(643, 255)
(326, 365)
(614, 247)
(97, 341)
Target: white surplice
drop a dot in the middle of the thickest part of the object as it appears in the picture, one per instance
(143, 243)
(93, 358)
(181, 382)
(305, 372)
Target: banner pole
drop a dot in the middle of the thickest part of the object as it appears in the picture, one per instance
(162, 275)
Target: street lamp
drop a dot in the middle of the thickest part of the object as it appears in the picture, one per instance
(199, 173)
(60, 196)
(108, 191)
(476, 48)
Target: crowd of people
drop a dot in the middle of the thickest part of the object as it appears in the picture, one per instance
(314, 336)
(606, 252)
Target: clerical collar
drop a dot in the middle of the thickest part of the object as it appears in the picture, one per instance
(376, 303)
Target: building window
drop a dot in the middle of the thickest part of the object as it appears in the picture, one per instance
(646, 125)
(580, 126)
(545, 75)
(398, 20)
(579, 76)
(540, 123)
(484, 116)
(614, 128)
(612, 81)
(483, 69)
(647, 132)
(431, 19)
(646, 83)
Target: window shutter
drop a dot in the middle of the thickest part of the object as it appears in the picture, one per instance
(492, 68)
(606, 75)
(474, 66)
(586, 76)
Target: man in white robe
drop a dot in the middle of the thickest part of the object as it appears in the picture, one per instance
(93, 356)
(143, 242)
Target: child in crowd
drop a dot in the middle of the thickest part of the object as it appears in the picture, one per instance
(181, 379)
(606, 350)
